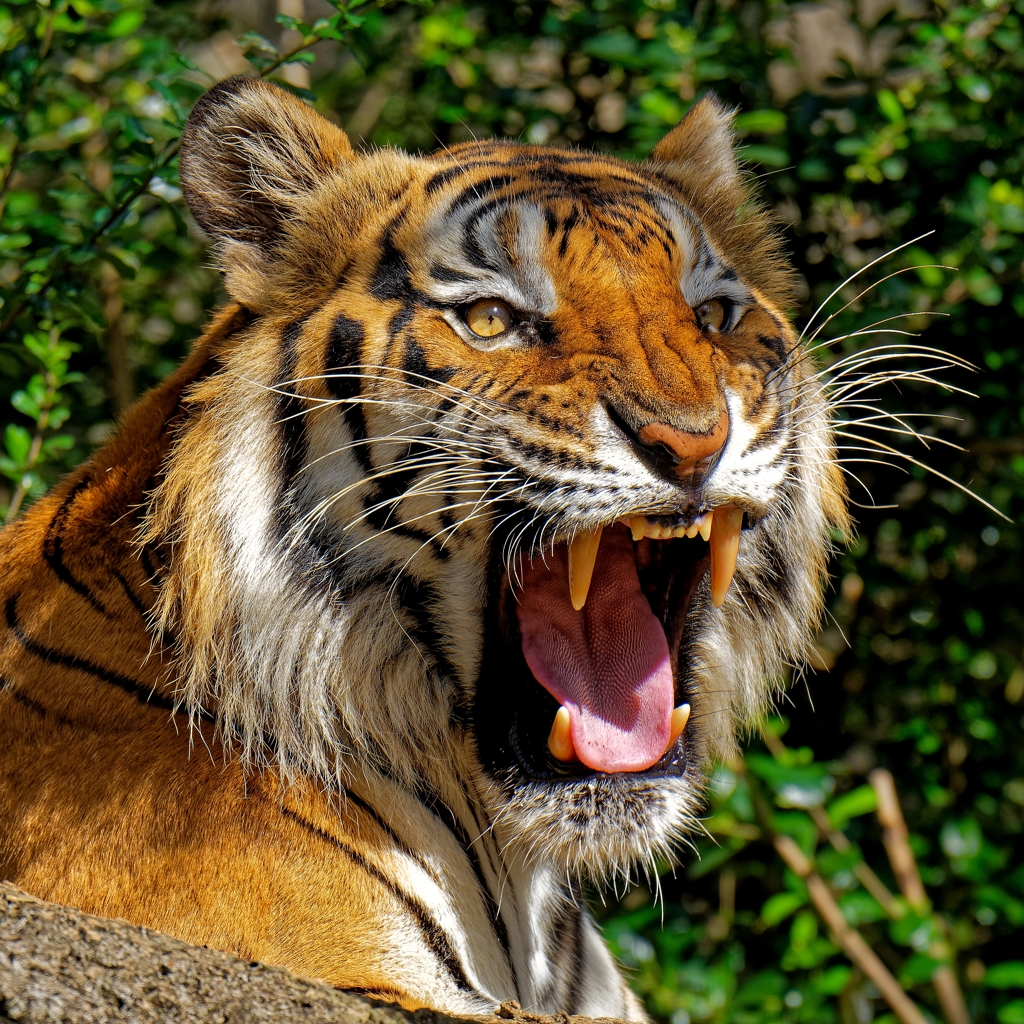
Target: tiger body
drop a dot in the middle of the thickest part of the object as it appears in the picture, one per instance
(257, 686)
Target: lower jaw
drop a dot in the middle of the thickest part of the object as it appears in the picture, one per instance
(512, 713)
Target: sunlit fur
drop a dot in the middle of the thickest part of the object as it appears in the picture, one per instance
(314, 512)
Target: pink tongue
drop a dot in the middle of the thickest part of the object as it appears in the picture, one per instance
(608, 664)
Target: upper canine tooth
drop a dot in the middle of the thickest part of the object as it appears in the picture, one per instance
(725, 543)
(582, 555)
(680, 716)
(560, 737)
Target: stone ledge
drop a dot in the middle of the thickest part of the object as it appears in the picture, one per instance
(60, 965)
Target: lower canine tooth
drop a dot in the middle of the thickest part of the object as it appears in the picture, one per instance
(582, 555)
(680, 716)
(725, 543)
(560, 738)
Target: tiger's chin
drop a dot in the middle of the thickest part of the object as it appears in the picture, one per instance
(582, 717)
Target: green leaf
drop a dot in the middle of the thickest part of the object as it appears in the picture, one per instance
(1009, 974)
(769, 156)
(294, 24)
(18, 240)
(761, 122)
(961, 840)
(18, 441)
(918, 968)
(254, 41)
(55, 446)
(125, 23)
(890, 105)
(21, 401)
(134, 131)
(780, 906)
(976, 87)
(612, 47)
(861, 800)
(832, 981)
(794, 785)
(1011, 1013)
(860, 907)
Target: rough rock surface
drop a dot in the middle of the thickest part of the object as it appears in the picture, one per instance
(60, 965)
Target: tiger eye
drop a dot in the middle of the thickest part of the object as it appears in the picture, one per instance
(488, 317)
(711, 314)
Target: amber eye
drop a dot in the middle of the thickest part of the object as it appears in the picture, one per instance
(711, 314)
(488, 317)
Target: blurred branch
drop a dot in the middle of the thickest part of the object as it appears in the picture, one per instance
(847, 938)
(861, 870)
(896, 838)
(122, 391)
(897, 841)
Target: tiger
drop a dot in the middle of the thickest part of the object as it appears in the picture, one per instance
(494, 501)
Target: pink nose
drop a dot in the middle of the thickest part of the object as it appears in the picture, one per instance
(689, 449)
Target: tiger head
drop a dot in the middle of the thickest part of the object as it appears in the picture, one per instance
(514, 465)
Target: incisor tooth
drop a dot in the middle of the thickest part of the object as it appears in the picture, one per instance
(680, 716)
(582, 555)
(560, 737)
(638, 526)
(725, 542)
(705, 526)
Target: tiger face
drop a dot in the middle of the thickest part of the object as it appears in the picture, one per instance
(517, 485)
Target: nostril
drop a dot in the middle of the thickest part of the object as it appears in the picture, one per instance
(687, 447)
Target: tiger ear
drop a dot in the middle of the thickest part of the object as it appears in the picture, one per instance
(252, 158)
(698, 155)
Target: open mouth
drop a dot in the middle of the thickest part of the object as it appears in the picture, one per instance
(582, 669)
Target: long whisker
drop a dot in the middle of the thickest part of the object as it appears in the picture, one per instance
(867, 266)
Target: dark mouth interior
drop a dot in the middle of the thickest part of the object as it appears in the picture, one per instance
(513, 713)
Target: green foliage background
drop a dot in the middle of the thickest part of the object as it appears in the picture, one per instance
(869, 127)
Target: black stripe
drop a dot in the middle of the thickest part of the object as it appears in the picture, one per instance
(442, 178)
(33, 705)
(395, 838)
(345, 355)
(775, 344)
(142, 693)
(289, 405)
(479, 188)
(439, 943)
(136, 601)
(573, 998)
(571, 220)
(391, 277)
(415, 363)
(37, 708)
(448, 819)
(439, 272)
(53, 546)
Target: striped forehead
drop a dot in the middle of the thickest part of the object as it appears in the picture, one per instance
(491, 220)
